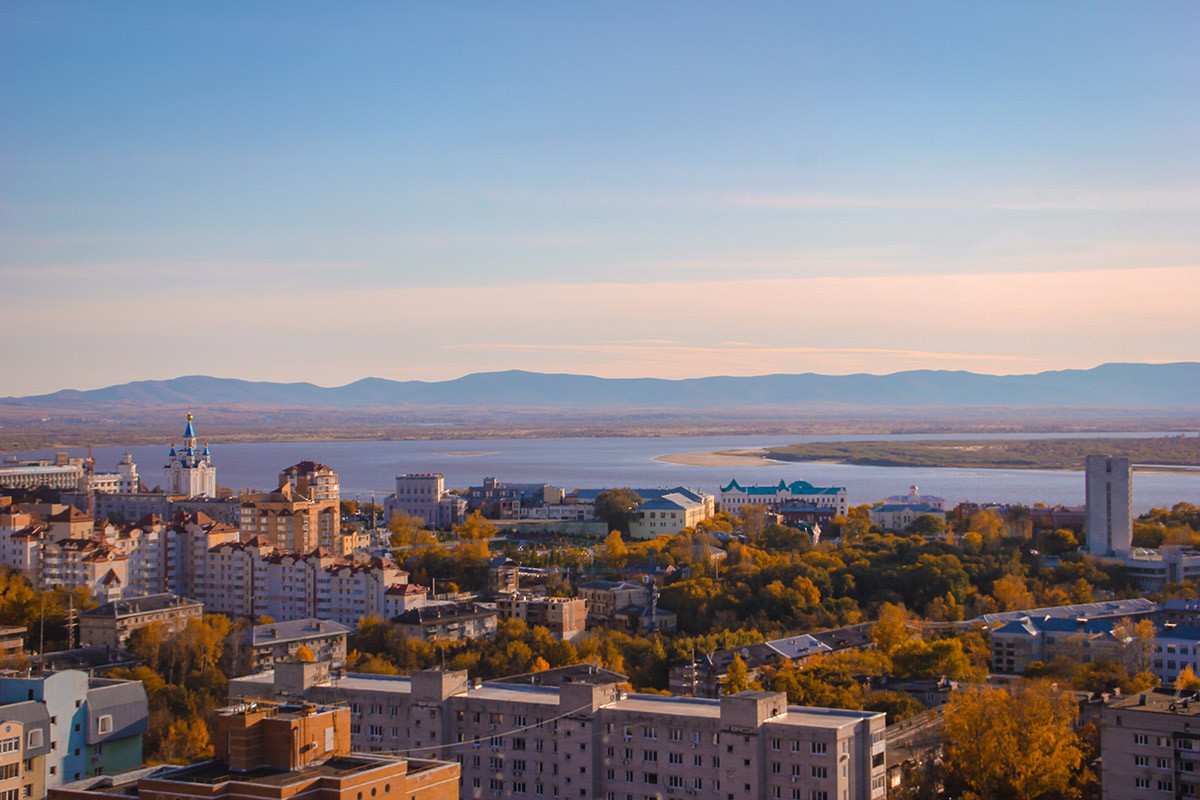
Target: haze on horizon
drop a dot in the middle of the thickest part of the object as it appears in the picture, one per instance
(313, 192)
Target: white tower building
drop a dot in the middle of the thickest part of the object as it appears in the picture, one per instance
(1109, 505)
(127, 475)
(190, 472)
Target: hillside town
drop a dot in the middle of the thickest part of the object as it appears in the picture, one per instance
(527, 640)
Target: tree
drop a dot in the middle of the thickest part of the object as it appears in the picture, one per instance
(1186, 681)
(1011, 594)
(409, 530)
(1012, 745)
(614, 550)
(926, 525)
(616, 507)
(737, 679)
(753, 521)
(891, 629)
(1138, 644)
(475, 528)
(305, 653)
(897, 705)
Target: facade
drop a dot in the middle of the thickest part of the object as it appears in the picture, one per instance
(260, 647)
(734, 496)
(77, 726)
(1109, 493)
(915, 498)
(418, 495)
(670, 513)
(87, 563)
(60, 472)
(564, 617)
(112, 623)
(252, 578)
(288, 519)
(504, 575)
(317, 482)
(402, 598)
(898, 516)
(12, 640)
(606, 600)
(190, 471)
(453, 622)
(1149, 747)
(587, 739)
(278, 752)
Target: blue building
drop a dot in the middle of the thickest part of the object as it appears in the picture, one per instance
(94, 725)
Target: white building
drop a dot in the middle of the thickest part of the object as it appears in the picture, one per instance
(735, 496)
(1109, 505)
(424, 495)
(190, 471)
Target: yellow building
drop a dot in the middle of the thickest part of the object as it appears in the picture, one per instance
(289, 520)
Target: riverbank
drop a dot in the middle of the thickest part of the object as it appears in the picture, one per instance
(1168, 454)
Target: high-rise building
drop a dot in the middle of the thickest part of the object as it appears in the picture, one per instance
(1109, 505)
(302, 514)
(1148, 748)
(190, 471)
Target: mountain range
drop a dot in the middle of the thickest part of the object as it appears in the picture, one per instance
(1174, 385)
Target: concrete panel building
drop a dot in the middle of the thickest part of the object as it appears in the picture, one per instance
(114, 622)
(1150, 746)
(587, 739)
(1109, 489)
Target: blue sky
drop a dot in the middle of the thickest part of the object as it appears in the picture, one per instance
(674, 189)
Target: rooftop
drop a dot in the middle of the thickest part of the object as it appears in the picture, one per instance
(1163, 701)
(144, 604)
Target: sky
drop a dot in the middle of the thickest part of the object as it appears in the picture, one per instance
(326, 191)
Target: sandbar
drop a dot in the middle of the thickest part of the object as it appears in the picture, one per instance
(720, 458)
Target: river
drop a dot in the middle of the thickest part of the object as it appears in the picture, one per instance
(369, 467)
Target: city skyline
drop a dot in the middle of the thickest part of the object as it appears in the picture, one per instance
(426, 192)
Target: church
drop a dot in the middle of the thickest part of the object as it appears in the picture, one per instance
(190, 472)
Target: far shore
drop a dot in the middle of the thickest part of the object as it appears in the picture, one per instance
(758, 458)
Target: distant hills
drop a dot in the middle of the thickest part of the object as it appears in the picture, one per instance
(1162, 386)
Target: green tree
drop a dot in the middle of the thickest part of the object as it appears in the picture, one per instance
(616, 507)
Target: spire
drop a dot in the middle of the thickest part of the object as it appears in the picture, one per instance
(205, 449)
(172, 453)
(189, 432)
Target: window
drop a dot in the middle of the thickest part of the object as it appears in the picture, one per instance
(1141, 783)
(819, 748)
(1139, 738)
(650, 778)
(10, 745)
(676, 735)
(820, 772)
(775, 744)
(675, 781)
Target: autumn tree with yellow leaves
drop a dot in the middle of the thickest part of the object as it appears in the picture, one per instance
(1016, 744)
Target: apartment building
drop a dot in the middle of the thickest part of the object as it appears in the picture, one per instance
(315, 481)
(454, 622)
(288, 519)
(87, 563)
(564, 617)
(260, 647)
(74, 726)
(112, 623)
(278, 752)
(588, 739)
(252, 578)
(1150, 746)
(734, 496)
